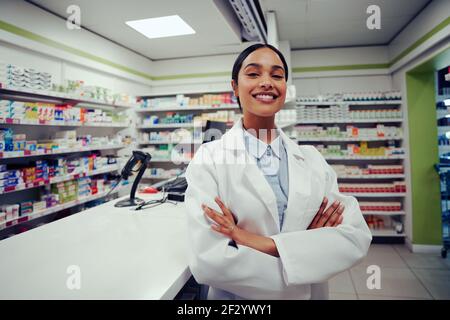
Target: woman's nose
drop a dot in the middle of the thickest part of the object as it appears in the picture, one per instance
(265, 84)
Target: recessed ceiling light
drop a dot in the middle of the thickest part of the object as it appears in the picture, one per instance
(161, 27)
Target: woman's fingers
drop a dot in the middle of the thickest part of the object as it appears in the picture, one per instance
(341, 218)
(318, 214)
(218, 218)
(335, 217)
(224, 209)
(321, 209)
(328, 213)
(222, 230)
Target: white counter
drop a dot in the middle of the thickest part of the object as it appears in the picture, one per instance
(121, 254)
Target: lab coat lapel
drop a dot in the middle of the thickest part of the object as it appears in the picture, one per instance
(299, 185)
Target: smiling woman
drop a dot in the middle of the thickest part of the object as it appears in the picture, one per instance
(275, 225)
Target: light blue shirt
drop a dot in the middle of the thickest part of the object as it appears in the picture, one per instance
(273, 163)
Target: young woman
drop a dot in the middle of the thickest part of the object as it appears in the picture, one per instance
(265, 216)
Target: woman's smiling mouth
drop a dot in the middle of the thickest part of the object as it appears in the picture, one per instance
(266, 97)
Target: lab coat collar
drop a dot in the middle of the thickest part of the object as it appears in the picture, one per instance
(257, 147)
(233, 139)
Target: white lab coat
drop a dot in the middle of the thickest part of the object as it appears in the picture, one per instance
(223, 168)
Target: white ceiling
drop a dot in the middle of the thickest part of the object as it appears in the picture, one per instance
(305, 23)
(339, 23)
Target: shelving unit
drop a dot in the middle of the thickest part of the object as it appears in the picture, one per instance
(19, 193)
(185, 106)
(40, 153)
(47, 211)
(59, 97)
(26, 186)
(374, 108)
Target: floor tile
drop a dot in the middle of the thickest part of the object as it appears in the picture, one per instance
(343, 296)
(341, 283)
(436, 281)
(379, 297)
(383, 256)
(395, 282)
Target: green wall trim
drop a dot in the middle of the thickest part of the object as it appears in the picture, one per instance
(423, 133)
(54, 44)
(419, 42)
(38, 38)
(341, 68)
(193, 75)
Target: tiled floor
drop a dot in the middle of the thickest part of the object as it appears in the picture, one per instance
(404, 275)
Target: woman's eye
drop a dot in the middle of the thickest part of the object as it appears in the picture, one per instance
(277, 76)
(252, 74)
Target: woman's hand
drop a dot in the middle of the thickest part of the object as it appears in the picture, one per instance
(225, 224)
(332, 217)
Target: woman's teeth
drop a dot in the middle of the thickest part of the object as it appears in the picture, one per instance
(265, 97)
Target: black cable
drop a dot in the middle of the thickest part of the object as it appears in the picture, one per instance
(111, 190)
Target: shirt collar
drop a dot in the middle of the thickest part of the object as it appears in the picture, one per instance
(257, 147)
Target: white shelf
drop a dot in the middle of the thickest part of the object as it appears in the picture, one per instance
(110, 168)
(285, 124)
(170, 160)
(375, 195)
(59, 207)
(384, 213)
(353, 103)
(169, 142)
(374, 176)
(364, 157)
(378, 120)
(179, 108)
(442, 113)
(156, 177)
(319, 139)
(62, 123)
(21, 154)
(386, 233)
(444, 149)
(166, 125)
(48, 94)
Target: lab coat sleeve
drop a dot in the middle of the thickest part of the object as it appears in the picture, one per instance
(243, 271)
(311, 256)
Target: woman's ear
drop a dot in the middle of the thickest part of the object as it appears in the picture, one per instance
(235, 88)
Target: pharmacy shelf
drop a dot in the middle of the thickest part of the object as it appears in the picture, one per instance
(386, 233)
(27, 186)
(442, 114)
(373, 176)
(284, 124)
(23, 154)
(168, 142)
(352, 103)
(320, 139)
(166, 125)
(375, 195)
(194, 108)
(170, 160)
(156, 177)
(364, 157)
(443, 129)
(375, 120)
(56, 208)
(444, 149)
(62, 123)
(384, 213)
(63, 97)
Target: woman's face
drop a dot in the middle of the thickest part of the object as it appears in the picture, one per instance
(261, 86)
